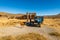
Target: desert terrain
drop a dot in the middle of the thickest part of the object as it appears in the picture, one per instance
(12, 28)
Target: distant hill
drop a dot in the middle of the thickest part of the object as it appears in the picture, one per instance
(53, 16)
(10, 15)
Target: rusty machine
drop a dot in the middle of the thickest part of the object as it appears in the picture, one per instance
(33, 20)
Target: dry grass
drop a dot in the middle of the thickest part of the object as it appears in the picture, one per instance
(29, 36)
(51, 22)
(54, 34)
(8, 22)
(12, 22)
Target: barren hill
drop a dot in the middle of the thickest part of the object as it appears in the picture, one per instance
(53, 16)
(9, 15)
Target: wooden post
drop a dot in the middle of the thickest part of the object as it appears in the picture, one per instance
(27, 16)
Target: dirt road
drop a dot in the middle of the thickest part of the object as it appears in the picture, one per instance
(23, 30)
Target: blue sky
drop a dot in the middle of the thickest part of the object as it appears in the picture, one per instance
(41, 7)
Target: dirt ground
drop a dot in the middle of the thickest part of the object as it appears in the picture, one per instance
(46, 32)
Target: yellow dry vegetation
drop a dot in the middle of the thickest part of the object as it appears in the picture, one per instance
(51, 22)
(29, 36)
(12, 22)
(8, 22)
